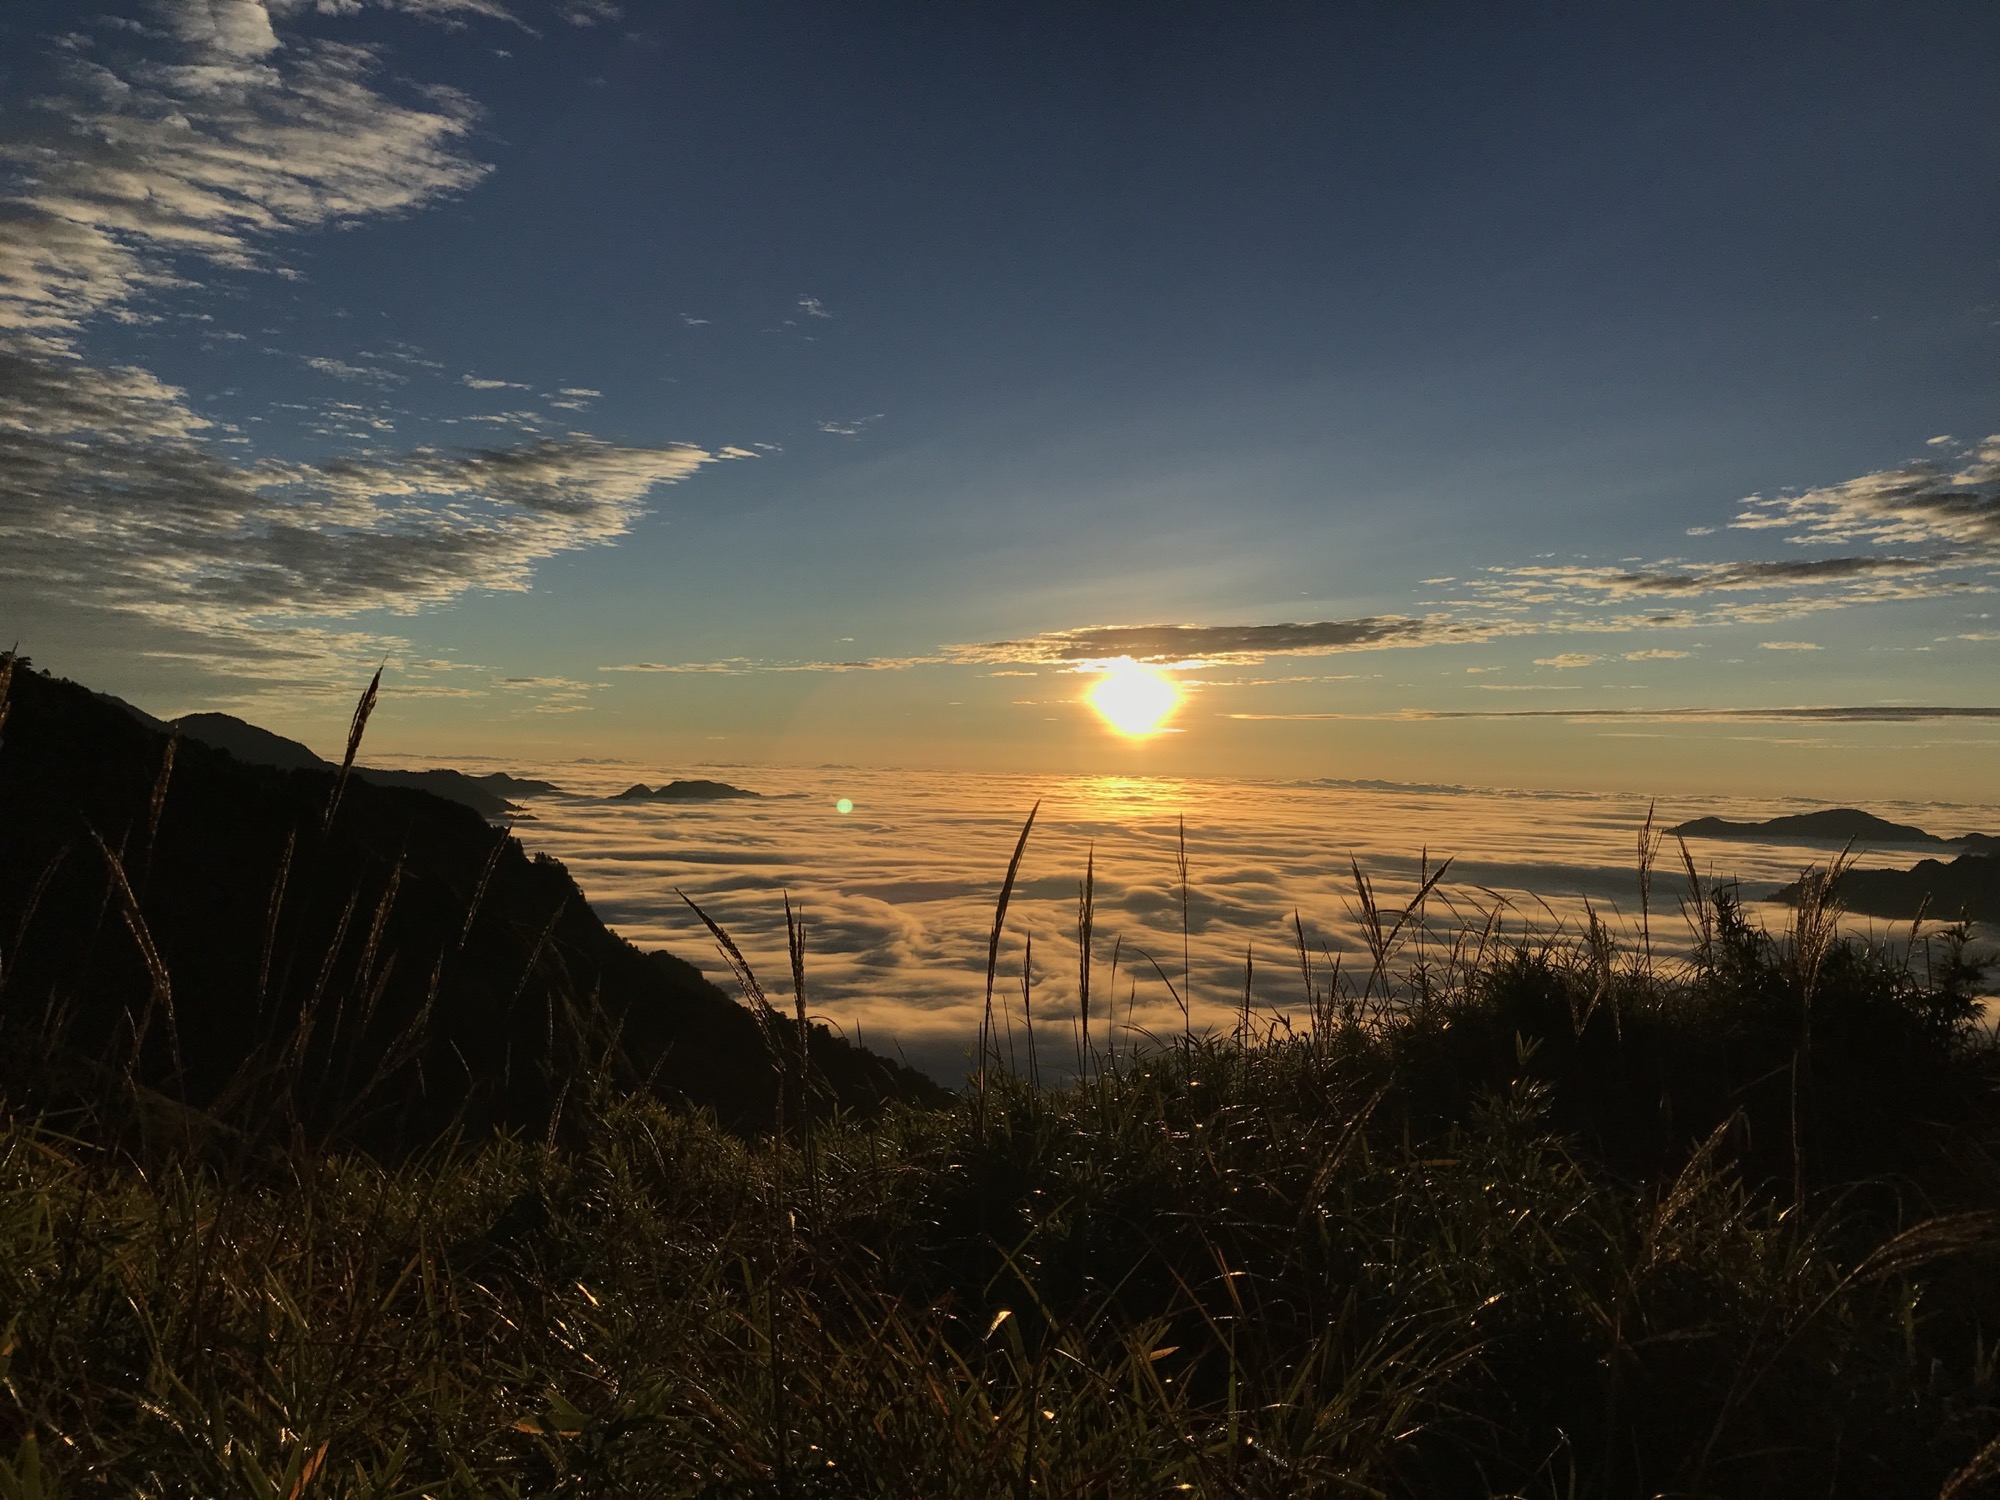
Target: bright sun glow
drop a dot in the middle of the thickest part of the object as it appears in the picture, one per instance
(1135, 700)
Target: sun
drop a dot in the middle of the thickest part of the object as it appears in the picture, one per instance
(1135, 700)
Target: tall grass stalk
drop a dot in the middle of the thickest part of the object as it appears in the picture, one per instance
(1181, 865)
(993, 953)
(160, 995)
(801, 1054)
(356, 728)
(1086, 917)
(1649, 849)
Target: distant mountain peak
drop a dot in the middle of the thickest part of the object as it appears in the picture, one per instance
(1828, 825)
(683, 791)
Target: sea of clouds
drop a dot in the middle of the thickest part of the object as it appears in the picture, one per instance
(898, 894)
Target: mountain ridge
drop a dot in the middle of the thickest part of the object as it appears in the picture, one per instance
(488, 795)
(1825, 825)
(1968, 887)
(390, 967)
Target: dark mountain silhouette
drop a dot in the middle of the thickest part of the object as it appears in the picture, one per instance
(501, 784)
(1967, 887)
(486, 795)
(181, 920)
(683, 791)
(248, 743)
(1832, 825)
(453, 786)
(138, 713)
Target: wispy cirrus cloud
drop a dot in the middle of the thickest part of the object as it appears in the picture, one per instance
(1923, 530)
(1675, 579)
(1953, 509)
(449, 13)
(341, 369)
(109, 493)
(200, 143)
(1683, 596)
(590, 12)
(849, 426)
(204, 156)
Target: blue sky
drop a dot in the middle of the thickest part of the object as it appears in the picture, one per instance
(758, 382)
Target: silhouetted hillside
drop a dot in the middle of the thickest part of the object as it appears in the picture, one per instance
(397, 969)
(453, 786)
(486, 795)
(1967, 887)
(250, 744)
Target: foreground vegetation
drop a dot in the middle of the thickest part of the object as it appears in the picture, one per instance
(1535, 1223)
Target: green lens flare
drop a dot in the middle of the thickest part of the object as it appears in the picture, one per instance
(844, 805)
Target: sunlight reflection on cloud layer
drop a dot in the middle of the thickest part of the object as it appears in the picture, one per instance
(898, 894)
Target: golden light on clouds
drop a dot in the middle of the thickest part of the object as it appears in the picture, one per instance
(1133, 699)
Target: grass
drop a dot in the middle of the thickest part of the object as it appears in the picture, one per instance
(1535, 1217)
(1330, 1263)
